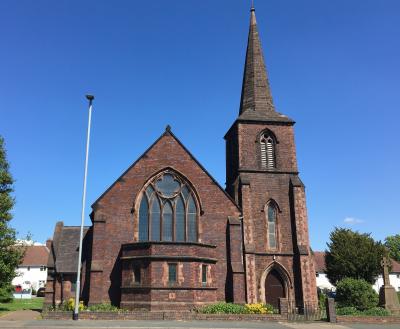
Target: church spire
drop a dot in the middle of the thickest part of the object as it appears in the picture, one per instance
(256, 102)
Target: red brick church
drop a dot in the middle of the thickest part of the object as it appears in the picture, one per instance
(165, 235)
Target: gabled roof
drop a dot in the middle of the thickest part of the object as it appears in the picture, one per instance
(35, 256)
(68, 247)
(168, 132)
(256, 102)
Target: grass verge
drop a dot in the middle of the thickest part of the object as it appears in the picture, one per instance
(36, 303)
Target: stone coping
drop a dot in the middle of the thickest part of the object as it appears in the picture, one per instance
(367, 319)
(173, 315)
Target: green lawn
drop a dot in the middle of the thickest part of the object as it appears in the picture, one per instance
(35, 303)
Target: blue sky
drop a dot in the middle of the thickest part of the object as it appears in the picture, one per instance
(333, 66)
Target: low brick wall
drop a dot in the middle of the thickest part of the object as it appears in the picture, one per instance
(162, 316)
(368, 319)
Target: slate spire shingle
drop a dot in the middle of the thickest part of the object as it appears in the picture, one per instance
(256, 102)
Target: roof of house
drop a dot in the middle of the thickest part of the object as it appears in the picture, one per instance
(319, 261)
(35, 256)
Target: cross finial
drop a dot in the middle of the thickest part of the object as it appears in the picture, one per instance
(252, 5)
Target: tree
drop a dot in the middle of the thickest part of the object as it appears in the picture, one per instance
(10, 256)
(353, 255)
(392, 243)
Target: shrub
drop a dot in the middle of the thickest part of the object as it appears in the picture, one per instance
(34, 292)
(6, 294)
(376, 311)
(259, 308)
(357, 293)
(322, 300)
(104, 307)
(349, 310)
(70, 306)
(223, 308)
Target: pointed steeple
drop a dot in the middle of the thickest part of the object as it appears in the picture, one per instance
(256, 102)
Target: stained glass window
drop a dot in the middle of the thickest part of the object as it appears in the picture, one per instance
(168, 210)
(167, 222)
(271, 226)
(144, 220)
(155, 219)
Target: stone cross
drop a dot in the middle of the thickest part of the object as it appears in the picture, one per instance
(385, 264)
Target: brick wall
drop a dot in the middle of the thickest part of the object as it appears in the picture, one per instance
(115, 222)
(254, 187)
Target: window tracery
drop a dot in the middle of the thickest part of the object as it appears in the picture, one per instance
(168, 211)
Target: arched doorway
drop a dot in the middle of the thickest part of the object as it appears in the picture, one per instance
(274, 288)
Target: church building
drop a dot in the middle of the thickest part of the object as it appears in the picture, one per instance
(166, 236)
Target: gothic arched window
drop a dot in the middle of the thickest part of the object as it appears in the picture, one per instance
(271, 225)
(168, 211)
(267, 143)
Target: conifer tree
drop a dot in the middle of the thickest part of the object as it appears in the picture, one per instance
(10, 256)
(353, 255)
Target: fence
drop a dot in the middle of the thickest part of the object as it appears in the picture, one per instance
(305, 311)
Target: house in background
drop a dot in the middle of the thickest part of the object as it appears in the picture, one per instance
(32, 272)
(394, 277)
(323, 282)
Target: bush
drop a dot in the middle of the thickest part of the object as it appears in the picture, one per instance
(6, 294)
(34, 292)
(70, 306)
(322, 300)
(375, 311)
(104, 307)
(349, 310)
(223, 308)
(259, 308)
(356, 293)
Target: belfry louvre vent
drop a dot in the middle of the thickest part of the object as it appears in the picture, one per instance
(267, 152)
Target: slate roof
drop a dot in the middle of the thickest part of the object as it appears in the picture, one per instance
(256, 102)
(64, 249)
(35, 256)
(319, 261)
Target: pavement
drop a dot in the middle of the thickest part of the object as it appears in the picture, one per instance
(29, 319)
(23, 315)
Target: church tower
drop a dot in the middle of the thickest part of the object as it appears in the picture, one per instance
(262, 177)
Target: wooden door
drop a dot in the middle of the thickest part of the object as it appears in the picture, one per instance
(274, 288)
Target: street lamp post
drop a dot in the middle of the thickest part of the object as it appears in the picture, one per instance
(90, 98)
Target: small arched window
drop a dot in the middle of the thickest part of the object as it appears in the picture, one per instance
(267, 143)
(271, 226)
(168, 211)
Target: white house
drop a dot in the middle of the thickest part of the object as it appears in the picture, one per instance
(323, 282)
(32, 272)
